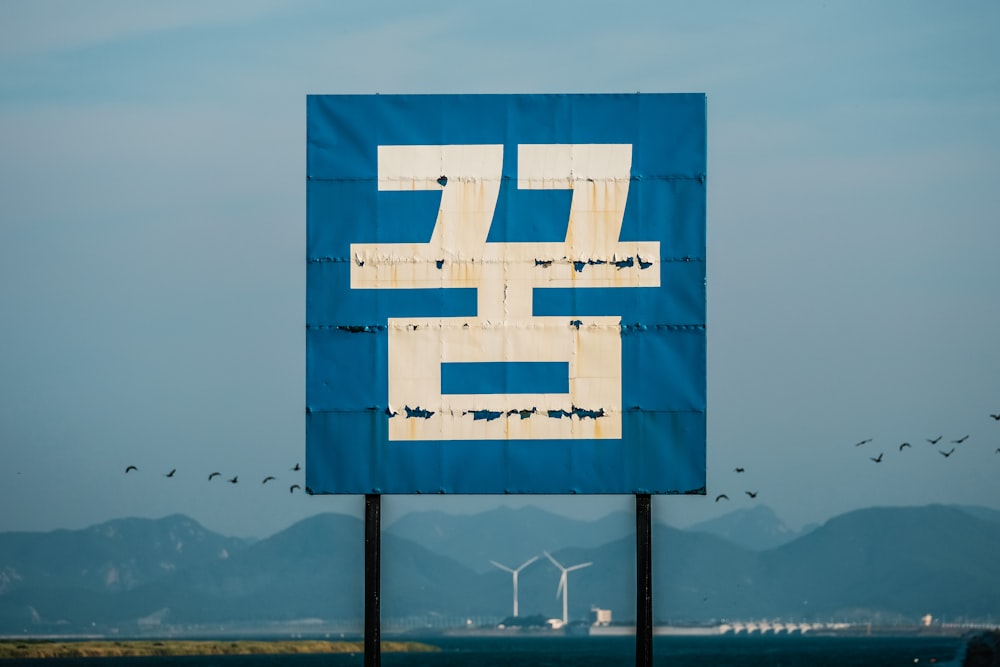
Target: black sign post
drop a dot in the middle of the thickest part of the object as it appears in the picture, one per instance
(373, 548)
(644, 581)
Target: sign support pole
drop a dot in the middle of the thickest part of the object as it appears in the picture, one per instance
(644, 581)
(373, 548)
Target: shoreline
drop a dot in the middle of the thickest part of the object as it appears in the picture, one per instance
(62, 648)
(103, 648)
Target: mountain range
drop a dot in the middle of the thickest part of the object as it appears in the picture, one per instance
(757, 528)
(171, 574)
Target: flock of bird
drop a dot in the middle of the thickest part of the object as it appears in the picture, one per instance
(751, 494)
(722, 496)
(235, 478)
(878, 459)
(933, 441)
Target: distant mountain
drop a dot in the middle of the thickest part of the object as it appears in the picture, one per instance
(905, 561)
(885, 564)
(893, 564)
(508, 536)
(114, 556)
(984, 513)
(312, 570)
(758, 528)
(913, 561)
(81, 577)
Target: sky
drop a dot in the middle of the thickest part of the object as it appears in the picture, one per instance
(152, 241)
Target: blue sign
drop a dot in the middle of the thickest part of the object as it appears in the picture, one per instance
(505, 294)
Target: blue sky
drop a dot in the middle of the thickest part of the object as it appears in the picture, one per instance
(152, 239)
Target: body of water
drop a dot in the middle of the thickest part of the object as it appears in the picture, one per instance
(791, 651)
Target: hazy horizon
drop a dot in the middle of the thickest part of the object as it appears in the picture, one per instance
(392, 512)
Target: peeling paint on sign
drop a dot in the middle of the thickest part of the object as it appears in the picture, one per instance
(449, 211)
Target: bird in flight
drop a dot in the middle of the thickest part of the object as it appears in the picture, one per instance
(296, 467)
(961, 440)
(905, 444)
(234, 480)
(752, 494)
(877, 459)
(292, 488)
(935, 440)
(739, 469)
(998, 450)
(214, 474)
(268, 479)
(171, 473)
(863, 442)
(995, 417)
(721, 496)
(130, 469)
(948, 453)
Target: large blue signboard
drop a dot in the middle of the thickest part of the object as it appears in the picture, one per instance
(506, 294)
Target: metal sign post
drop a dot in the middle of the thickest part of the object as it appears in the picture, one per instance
(373, 579)
(644, 581)
(505, 294)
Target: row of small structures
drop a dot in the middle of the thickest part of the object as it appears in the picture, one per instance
(766, 627)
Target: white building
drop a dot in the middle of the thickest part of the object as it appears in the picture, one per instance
(600, 617)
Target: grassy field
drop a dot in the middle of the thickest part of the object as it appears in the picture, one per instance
(107, 649)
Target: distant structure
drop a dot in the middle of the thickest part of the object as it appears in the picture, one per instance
(514, 573)
(927, 620)
(600, 617)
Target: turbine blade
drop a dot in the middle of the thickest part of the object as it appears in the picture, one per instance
(502, 567)
(578, 567)
(526, 563)
(554, 561)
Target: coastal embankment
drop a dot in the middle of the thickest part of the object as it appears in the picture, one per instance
(119, 649)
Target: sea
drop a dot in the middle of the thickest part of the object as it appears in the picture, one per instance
(739, 651)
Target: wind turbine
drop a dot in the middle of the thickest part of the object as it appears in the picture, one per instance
(564, 583)
(514, 573)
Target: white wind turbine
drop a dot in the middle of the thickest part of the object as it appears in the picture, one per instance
(514, 572)
(564, 583)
